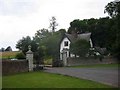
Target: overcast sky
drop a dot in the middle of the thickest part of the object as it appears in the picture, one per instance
(20, 18)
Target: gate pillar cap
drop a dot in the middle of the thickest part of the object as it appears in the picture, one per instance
(29, 51)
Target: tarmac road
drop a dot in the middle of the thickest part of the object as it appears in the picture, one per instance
(107, 76)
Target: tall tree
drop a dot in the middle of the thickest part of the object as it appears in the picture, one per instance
(113, 9)
(53, 24)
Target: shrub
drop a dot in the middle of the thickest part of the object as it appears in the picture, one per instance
(20, 56)
(57, 63)
(80, 47)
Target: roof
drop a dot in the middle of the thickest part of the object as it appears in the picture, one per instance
(70, 37)
(101, 50)
(85, 36)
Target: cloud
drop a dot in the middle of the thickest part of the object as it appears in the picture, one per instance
(18, 7)
(20, 18)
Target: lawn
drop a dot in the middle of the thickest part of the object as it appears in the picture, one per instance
(0, 81)
(97, 66)
(47, 80)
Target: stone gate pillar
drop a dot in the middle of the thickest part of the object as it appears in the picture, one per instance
(64, 57)
(29, 57)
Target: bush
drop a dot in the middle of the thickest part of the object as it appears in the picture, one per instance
(37, 68)
(57, 63)
(80, 47)
(48, 61)
(20, 56)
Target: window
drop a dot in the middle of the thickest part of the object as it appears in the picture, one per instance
(66, 43)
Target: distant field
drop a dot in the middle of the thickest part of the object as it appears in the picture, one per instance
(7, 54)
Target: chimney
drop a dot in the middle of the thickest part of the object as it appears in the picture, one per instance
(74, 34)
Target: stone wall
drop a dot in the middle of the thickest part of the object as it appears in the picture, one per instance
(89, 61)
(11, 67)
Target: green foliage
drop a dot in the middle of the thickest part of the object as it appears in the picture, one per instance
(113, 9)
(78, 26)
(50, 42)
(101, 30)
(20, 55)
(62, 31)
(105, 31)
(23, 46)
(38, 55)
(80, 47)
(48, 61)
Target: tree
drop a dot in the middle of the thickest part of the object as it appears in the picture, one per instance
(113, 9)
(98, 27)
(80, 47)
(62, 31)
(50, 43)
(20, 55)
(41, 38)
(100, 32)
(53, 24)
(78, 26)
(74, 26)
(38, 56)
(41, 33)
(2, 49)
(23, 44)
(8, 48)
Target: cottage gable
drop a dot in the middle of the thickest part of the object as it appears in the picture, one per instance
(68, 38)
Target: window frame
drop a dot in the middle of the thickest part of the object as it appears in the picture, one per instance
(65, 43)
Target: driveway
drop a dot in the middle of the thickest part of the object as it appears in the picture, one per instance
(107, 76)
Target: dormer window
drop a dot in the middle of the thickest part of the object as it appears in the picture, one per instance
(65, 43)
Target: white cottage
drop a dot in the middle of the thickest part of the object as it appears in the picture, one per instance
(68, 38)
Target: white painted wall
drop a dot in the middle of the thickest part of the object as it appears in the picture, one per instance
(68, 47)
(62, 46)
(91, 44)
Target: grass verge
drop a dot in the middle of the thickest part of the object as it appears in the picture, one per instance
(47, 80)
